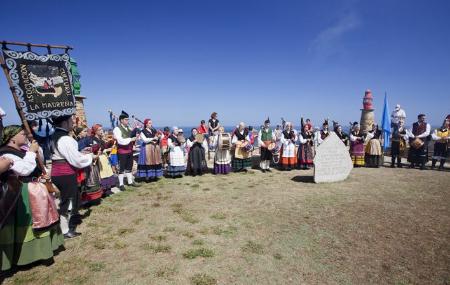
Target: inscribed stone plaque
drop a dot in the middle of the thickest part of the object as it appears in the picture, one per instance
(332, 162)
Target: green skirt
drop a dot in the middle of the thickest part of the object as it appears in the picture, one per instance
(20, 244)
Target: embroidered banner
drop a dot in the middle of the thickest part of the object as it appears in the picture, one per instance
(43, 83)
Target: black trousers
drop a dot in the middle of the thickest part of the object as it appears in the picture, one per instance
(418, 156)
(68, 187)
(125, 162)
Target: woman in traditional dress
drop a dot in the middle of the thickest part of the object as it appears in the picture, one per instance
(177, 161)
(306, 148)
(357, 145)
(93, 189)
(165, 147)
(213, 129)
(373, 148)
(441, 137)
(288, 150)
(27, 237)
(222, 157)
(101, 148)
(150, 161)
(242, 159)
(196, 164)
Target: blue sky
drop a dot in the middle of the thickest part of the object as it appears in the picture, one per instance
(177, 61)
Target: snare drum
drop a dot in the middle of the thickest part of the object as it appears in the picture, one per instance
(417, 143)
(271, 146)
(224, 141)
(276, 149)
(246, 146)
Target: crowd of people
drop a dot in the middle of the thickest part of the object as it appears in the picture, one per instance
(89, 163)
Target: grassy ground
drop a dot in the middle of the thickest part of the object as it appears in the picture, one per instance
(380, 226)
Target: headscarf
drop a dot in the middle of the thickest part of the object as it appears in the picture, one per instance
(95, 128)
(9, 132)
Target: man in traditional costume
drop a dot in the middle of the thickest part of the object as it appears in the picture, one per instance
(398, 115)
(398, 144)
(266, 140)
(288, 150)
(242, 159)
(324, 133)
(122, 134)
(357, 139)
(66, 159)
(150, 161)
(31, 233)
(418, 141)
(441, 137)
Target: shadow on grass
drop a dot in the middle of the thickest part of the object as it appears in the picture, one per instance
(303, 179)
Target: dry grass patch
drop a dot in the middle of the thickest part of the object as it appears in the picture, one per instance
(125, 231)
(198, 252)
(218, 216)
(188, 234)
(158, 248)
(224, 230)
(169, 229)
(253, 247)
(184, 214)
(198, 242)
(203, 279)
(158, 238)
(166, 272)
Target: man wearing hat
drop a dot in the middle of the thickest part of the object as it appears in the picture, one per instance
(65, 160)
(398, 115)
(324, 133)
(265, 138)
(122, 134)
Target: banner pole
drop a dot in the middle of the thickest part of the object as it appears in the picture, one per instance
(36, 45)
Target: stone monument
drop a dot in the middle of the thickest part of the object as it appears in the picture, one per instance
(332, 162)
(367, 112)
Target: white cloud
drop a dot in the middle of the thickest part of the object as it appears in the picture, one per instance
(328, 41)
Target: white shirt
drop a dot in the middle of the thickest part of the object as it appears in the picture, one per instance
(147, 140)
(23, 166)
(423, 135)
(2, 112)
(118, 137)
(436, 137)
(67, 149)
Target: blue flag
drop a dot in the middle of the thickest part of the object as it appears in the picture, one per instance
(386, 124)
